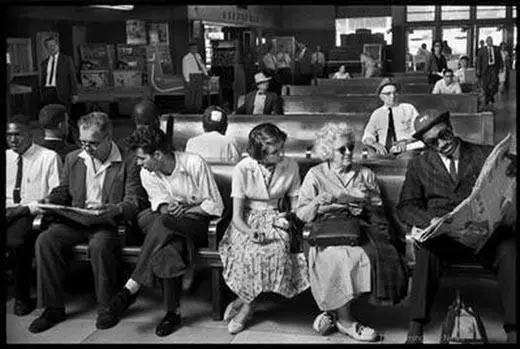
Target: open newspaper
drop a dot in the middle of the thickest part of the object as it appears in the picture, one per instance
(492, 201)
(83, 216)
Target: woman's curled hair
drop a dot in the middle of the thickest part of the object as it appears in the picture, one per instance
(327, 135)
(260, 135)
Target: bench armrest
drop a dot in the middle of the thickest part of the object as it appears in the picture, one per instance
(212, 234)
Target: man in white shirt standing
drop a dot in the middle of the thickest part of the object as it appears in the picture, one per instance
(318, 63)
(184, 196)
(447, 85)
(31, 172)
(195, 76)
(213, 144)
(391, 126)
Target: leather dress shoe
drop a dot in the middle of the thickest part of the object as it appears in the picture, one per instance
(168, 324)
(415, 333)
(118, 304)
(49, 318)
(24, 307)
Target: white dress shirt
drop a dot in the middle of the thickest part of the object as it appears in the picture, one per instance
(40, 173)
(259, 104)
(446, 160)
(441, 88)
(51, 80)
(213, 146)
(318, 57)
(191, 182)
(95, 174)
(190, 66)
(283, 60)
(404, 115)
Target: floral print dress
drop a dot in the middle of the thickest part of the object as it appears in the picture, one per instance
(251, 268)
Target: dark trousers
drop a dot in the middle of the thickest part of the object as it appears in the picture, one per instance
(53, 248)
(499, 255)
(193, 93)
(490, 83)
(20, 242)
(161, 229)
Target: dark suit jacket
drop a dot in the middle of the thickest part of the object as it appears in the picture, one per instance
(483, 59)
(428, 190)
(66, 82)
(273, 104)
(61, 147)
(122, 185)
(304, 64)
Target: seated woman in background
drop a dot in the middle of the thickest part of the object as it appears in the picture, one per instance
(255, 249)
(341, 73)
(340, 274)
(368, 65)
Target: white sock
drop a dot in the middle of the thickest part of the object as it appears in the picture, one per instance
(132, 286)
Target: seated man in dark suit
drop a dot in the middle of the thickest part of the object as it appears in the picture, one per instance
(436, 182)
(53, 119)
(100, 176)
(31, 172)
(261, 102)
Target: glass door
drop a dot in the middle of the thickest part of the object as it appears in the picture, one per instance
(457, 40)
(497, 33)
(418, 47)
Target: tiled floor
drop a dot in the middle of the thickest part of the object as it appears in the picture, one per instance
(276, 320)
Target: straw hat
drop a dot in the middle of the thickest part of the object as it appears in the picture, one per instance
(260, 78)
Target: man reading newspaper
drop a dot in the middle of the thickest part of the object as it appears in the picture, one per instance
(436, 182)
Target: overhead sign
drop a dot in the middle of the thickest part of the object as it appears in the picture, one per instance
(256, 16)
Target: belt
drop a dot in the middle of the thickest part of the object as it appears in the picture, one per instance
(262, 205)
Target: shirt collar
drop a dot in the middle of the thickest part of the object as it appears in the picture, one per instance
(49, 138)
(114, 156)
(454, 156)
(30, 151)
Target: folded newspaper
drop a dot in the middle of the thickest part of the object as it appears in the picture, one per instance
(492, 201)
(83, 216)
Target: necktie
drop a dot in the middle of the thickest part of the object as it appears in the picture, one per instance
(491, 55)
(52, 70)
(453, 170)
(19, 172)
(390, 135)
(198, 63)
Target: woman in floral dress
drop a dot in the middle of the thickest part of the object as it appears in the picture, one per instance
(255, 248)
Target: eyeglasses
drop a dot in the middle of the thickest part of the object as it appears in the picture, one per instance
(343, 149)
(395, 93)
(89, 144)
(445, 135)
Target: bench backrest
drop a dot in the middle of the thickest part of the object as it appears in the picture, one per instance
(301, 129)
(316, 104)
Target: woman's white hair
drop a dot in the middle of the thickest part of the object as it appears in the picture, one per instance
(327, 135)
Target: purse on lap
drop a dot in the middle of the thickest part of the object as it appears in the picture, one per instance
(336, 231)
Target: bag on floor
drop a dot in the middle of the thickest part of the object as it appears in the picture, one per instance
(462, 325)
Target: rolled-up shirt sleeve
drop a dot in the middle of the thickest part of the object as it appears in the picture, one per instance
(157, 192)
(211, 200)
(370, 129)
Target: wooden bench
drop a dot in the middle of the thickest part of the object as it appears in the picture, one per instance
(301, 129)
(317, 104)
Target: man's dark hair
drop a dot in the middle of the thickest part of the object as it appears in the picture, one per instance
(209, 123)
(464, 57)
(448, 71)
(145, 113)
(51, 115)
(20, 119)
(149, 139)
(260, 135)
(51, 38)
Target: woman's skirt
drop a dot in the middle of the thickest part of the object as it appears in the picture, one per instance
(338, 274)
(251, 268)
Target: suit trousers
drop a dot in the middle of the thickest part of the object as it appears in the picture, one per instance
(161, 229)
(490, 83)
(20, 242)
(193, 93)
(498, 255)
(53, 250)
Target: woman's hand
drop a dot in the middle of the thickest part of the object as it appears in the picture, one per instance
(324, 199)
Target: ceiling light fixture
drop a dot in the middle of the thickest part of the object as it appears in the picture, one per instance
(115, 7)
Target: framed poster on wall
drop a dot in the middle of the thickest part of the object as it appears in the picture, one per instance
(285, 44)
(158, 34)
(135, 32)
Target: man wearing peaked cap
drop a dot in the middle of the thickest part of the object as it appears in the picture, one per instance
(436, 182)
(261, 102)
(213, 144)
(390, 127)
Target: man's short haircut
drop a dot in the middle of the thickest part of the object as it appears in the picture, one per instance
(448, 71)
(52, 115)
(260, 135)
(464, 57)
(145, 113)
(51, 38)
(98, 119)
(149, 139)
(20, 119)
(214, 119)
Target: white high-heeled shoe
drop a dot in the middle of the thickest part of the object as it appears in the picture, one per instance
(235, 326)
(232, 310)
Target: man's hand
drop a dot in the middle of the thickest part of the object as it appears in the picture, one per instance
(380, 149)
(324, 199)
(34, 209)
(178, 209)
(511, 169)
(108, 211)
(398, 147)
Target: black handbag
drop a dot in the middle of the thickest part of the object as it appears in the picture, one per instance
(336, 231)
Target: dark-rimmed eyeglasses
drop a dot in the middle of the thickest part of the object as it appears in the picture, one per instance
(445, 135)
(89, 144)
(343, 149)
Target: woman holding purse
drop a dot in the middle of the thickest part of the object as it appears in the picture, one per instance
(255, 248)
(339, 189)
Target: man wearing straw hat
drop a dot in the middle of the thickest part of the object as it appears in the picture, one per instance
(261, 102)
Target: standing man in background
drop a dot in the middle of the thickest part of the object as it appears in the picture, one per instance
(195, 75)
(489, 63)
(318, 64)
(58, 83)
(303, 65)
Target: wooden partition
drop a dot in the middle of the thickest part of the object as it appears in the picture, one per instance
(301, 129)
(460, 103)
